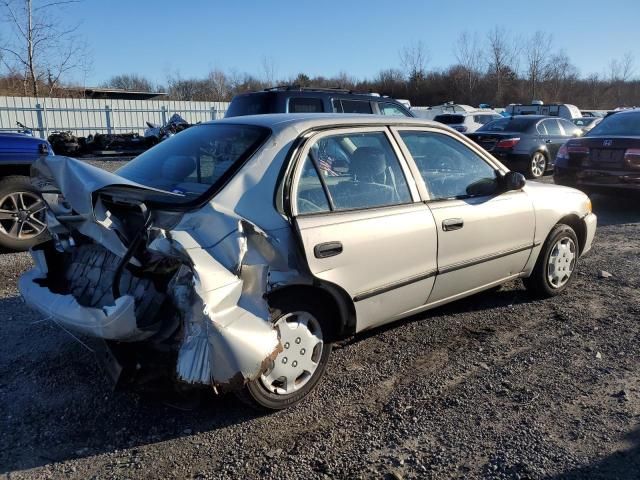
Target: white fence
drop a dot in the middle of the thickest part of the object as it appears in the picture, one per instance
(83, 116)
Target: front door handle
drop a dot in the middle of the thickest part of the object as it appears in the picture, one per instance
(452, 224)
(327, 249)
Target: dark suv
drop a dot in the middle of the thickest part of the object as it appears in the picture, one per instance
(293, 99)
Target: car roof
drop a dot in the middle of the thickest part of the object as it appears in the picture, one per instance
(305, 121)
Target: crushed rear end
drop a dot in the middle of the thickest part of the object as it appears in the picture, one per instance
(189, 285)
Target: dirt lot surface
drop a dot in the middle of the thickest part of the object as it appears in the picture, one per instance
(494, 386)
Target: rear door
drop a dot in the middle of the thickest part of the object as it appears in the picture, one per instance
(554, 137)
(362, 224)
(484, 235)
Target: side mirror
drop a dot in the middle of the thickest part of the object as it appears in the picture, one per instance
(513, 181)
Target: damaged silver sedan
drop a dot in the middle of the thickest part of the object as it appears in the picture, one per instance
(240, 250)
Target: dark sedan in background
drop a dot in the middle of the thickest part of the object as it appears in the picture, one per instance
(526, 143)
(607, 158)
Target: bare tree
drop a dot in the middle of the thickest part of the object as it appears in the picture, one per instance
(130, 81)
(270, 70)
(620, 72)
(219, 86)
(44, 49)
(560, 74)
(537, 53)
(469, 54)
(414, 59)
(501, 56)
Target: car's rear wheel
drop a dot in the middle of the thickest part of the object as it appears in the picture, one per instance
(303, 330)
(22, 214)
(556, 263)
(537, 165)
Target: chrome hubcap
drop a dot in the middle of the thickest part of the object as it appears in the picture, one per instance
(22, 215)
(301, 339)
(538, 164)
(561, 263)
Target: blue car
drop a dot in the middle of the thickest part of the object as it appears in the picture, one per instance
(22, 210)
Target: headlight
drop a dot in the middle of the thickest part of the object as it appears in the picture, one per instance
(587, 205)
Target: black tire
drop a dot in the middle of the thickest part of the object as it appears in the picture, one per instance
(537, 167)
(13, 185)
(256, 393)
(538, 284)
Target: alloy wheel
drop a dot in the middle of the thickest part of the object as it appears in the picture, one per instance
(22, 215)
(538, 164)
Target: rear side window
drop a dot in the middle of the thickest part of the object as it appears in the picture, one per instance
(392, 110)
(355, 106)
(305, 105)
(542, 130)
(359, 170)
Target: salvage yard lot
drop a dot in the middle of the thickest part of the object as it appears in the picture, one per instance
(494, 386)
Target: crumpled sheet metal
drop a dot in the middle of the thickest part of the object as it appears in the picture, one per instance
(228, 337)
(115, 322)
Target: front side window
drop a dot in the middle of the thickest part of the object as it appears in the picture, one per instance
(359, 170)
(391, 109)
(305, 105)
(449, 168)
(553, 128)
(196, 160)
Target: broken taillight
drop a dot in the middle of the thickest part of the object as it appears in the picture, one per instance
(632, 157)
(508, 143)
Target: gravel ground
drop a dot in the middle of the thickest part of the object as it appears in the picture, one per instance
(494, 386)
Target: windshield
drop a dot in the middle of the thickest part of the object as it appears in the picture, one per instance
(515, 124)
(618, 124)
(196, 160)
(449, 119)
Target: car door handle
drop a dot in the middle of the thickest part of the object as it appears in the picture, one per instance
(452, 224)
(327, 249)
(548, 140)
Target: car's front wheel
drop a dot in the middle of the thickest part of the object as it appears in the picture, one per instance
(537, 165)
(22, 214)
(556, 263)
(303, 330)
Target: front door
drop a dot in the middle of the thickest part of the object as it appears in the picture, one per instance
(362, 224)
(485, 235)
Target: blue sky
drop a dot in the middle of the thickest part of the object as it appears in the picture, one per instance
(189, 38)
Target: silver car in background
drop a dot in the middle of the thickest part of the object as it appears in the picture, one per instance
(241, 249)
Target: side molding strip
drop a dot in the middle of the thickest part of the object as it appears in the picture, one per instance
(448, 269)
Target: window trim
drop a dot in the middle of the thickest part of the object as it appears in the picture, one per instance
(425, 194)
(304, 151)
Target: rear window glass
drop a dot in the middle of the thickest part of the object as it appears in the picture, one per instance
(449, 119)
(305, 105)
(618, 124)
(195, 161)
(516, 124)
(583, 122)
(255, 104)
(356, 106)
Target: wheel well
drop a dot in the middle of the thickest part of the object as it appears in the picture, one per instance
(332, 298)
(8, 170)
(578, 226)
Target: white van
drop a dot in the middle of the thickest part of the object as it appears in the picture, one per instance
(563, 110)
